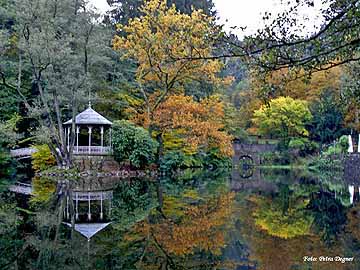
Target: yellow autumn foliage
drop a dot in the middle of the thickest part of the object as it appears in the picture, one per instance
(168, 44)
(200, 123)
(201, 227)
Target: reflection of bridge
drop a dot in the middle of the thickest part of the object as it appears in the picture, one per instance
(253, 183)
(22, 152)
(22, 188)
(252, 150)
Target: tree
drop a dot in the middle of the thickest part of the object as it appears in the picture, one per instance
(327, 124)
(284, 117)
(132, 143)
(350, 95)
(197, 125)
(282, 83)
(283, 43)
(161, 40)
(58, 50)
(123, 10)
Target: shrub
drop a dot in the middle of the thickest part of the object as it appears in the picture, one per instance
(172, 160)
(298, 143)
(133, 143)
(303, 145)
(42, 159)
(344, 143)
(276, 158)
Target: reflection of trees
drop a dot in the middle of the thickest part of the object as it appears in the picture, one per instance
(132, 202)
(329, 215)
(11, 244)
(43, 189)
(353, 233)
(275, 253)
(188, 233)
(284, 216)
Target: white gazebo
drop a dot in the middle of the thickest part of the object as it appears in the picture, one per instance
(89, 120)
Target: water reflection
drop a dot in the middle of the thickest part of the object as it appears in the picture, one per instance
(269, 219)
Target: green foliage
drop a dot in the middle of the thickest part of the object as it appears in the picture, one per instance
(343, 143)
(284, 117)
(298, 143)
(277, 158)
(303, 145)
(232, 122)
(44, 189)
(7, 169)
(8, 131)
(286, 216)
(42, 159)
(133, 143)
(330, 158)
(132, 202)
(123, 10)
(214, 159)
(328, 118)
(10, 240)
(173, 160)
(329, 215)
(293, 224)
(339, 147)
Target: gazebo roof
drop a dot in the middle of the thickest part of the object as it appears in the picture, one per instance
(89, 229)
(89, 117)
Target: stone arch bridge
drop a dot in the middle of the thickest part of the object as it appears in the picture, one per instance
(250, 152)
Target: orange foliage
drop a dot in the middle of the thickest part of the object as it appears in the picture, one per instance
(200, 123)
(201, 228)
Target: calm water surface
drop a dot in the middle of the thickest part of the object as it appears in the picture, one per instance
(261, 219)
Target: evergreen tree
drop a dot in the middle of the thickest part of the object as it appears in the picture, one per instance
(123, 10)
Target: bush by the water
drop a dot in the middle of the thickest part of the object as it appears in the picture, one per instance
(174, 160)
(42, 159)
(133, 143)
(303, 146)
(330, 158)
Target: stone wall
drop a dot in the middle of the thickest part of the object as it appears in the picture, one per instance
(352, 168)
(96, 163)
(252, 150)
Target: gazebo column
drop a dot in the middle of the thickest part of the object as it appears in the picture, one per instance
(89, 210)
(89, 131)
(102, 137)
(76, 206)
(110, 138)
(68, 139)
(101, 206)
(77, 138)
(67, 207)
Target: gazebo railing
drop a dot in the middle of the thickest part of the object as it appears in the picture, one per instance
(92, 150)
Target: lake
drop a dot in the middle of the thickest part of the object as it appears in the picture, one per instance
(196, 219)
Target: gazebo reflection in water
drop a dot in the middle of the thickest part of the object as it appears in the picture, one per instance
(91, 203)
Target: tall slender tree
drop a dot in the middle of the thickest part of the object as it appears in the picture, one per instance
(58, 46)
